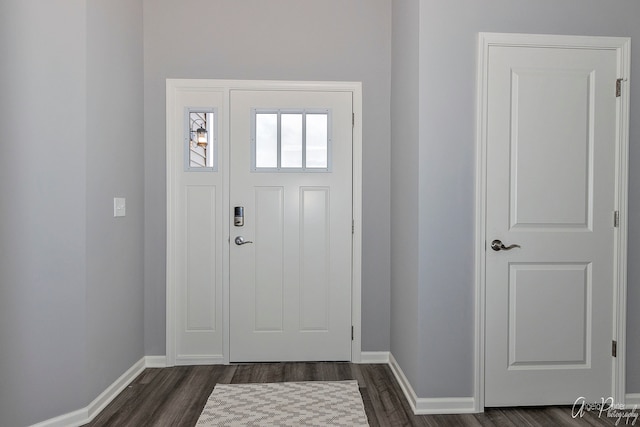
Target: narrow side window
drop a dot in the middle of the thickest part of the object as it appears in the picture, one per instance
(200, 140)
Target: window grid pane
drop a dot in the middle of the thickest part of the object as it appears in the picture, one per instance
(317, 141)
(291, 140)
(266, 140)
(291, 129)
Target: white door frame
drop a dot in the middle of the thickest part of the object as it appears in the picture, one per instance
(226, 86)
(622, 47)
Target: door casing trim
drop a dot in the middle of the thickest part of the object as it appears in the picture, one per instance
(622, 46)
(226, 86)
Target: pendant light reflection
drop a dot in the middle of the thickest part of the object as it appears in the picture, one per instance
(198, 128)
(201, 137)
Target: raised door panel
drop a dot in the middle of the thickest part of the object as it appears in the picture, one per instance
(551, 148)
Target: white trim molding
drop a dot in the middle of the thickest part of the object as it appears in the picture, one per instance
(622, 47)
(71, 419)
(375, 357)
(89, 412)
(191, 360)
(419, 406)
(100, 402)
(632, 400)
(155, 361)
(436, 405)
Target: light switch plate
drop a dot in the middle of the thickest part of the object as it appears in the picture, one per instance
(119, 206)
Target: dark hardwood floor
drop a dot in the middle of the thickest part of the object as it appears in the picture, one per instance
(175, 397)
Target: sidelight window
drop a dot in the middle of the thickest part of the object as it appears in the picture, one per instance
(200, 140)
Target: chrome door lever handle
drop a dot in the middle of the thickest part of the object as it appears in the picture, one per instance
(497, 245)
(240, 241)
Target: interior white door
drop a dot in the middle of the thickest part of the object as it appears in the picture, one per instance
(551, 145)
(290, 281)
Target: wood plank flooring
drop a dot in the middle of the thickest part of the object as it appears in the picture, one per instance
(175, 397)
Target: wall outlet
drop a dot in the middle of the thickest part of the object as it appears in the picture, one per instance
(119, 206)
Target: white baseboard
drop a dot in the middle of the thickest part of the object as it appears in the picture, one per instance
(75, 418)
(190, 360)
(445, 405)
(100, 402)
(419, 406)
(155, 361)
(89, 412)
(374, 357)
(631, 400)
(424, 406)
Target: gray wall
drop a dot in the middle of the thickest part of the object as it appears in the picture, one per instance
(115, 168)
(70, 277)
(447, 81)
(405, 119)
(280, 40)
(42, 206)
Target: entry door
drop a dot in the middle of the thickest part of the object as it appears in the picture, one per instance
(551, 186)
(290, 251)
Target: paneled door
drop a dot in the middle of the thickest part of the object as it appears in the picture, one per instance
(552, 131)
(195, 236)
(291, 225)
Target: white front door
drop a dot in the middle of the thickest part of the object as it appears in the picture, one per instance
(290, 254)
(551, 189)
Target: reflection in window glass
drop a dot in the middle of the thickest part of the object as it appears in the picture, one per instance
(201, 140)
(266, 140)
(291, 140)
(317, 141)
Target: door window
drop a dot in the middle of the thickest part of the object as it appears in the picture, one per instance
(290, 140)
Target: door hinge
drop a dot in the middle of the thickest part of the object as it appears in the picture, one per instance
(619, 87)
(353, 120)
(352, 333)
(614, 348)
(616, 218)
(353, 226)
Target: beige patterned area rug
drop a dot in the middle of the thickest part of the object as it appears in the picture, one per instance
(314, 403)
